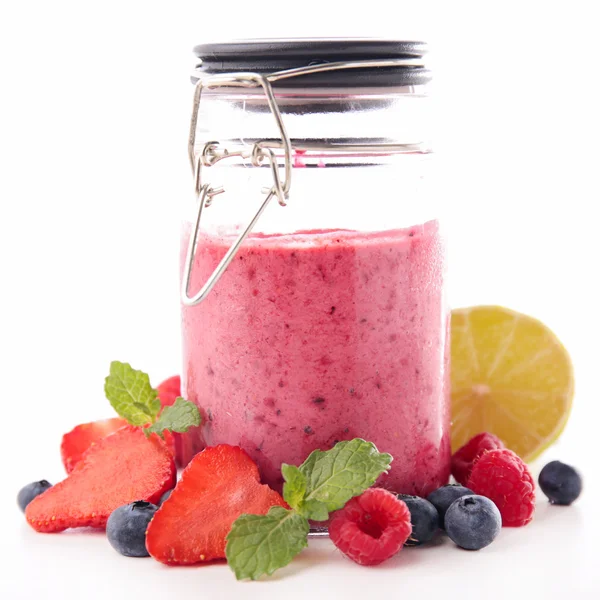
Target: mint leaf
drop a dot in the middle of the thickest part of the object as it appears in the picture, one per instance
(294, 487)
(314, 510)
(345, 471)
(131, 395)
(259, 545)
(178, 417)
(294, 490)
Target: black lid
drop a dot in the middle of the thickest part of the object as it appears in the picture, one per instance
(271, 55)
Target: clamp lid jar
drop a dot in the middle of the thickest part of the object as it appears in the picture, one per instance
(321, 316)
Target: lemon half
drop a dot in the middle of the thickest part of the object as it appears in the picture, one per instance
(510, 376)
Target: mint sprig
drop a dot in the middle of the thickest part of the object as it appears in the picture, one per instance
(131, 395)
(179, 418)
(259, 545)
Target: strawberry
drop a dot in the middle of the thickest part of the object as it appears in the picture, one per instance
(119, 469)
(220, 484)
(79, 439)
(185, 445)
(169, 438)
(169, 390)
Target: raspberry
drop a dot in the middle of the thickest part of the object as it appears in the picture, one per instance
(466, 456)
(371, 527)
(504, 478)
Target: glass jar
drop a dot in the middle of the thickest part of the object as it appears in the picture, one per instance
(327, 319)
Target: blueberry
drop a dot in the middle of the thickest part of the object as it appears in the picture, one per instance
(473, 522)
(30, 491)
(561, 483)
(126, 528)
(164, 497)
(443, 497)
(424, 518)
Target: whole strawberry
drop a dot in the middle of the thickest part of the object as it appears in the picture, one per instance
(169, 390)
(504, 478)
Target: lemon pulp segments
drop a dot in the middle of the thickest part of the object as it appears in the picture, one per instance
(510, 376)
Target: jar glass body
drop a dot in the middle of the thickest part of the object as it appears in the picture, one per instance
(331, 321)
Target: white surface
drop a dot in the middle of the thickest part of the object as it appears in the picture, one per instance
(555, 556)
(537, 563)
(93, 127)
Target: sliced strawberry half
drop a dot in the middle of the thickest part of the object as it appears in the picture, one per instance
(79, 439)
(220, 484)
(185, 445)
(119, 469)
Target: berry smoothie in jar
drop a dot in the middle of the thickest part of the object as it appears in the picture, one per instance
(327, 318)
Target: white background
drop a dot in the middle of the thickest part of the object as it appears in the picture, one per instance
(95, 100)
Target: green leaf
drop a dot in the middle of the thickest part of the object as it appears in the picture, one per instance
(294, 487)
(131, 395)
(179, 418)
(259, 545)
(345, 471)
(314, 510)
(294, 490)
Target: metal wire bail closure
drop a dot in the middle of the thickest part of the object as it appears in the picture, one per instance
(212, 153)
(205, 196)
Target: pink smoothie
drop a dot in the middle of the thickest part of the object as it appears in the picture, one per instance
(321, 336)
